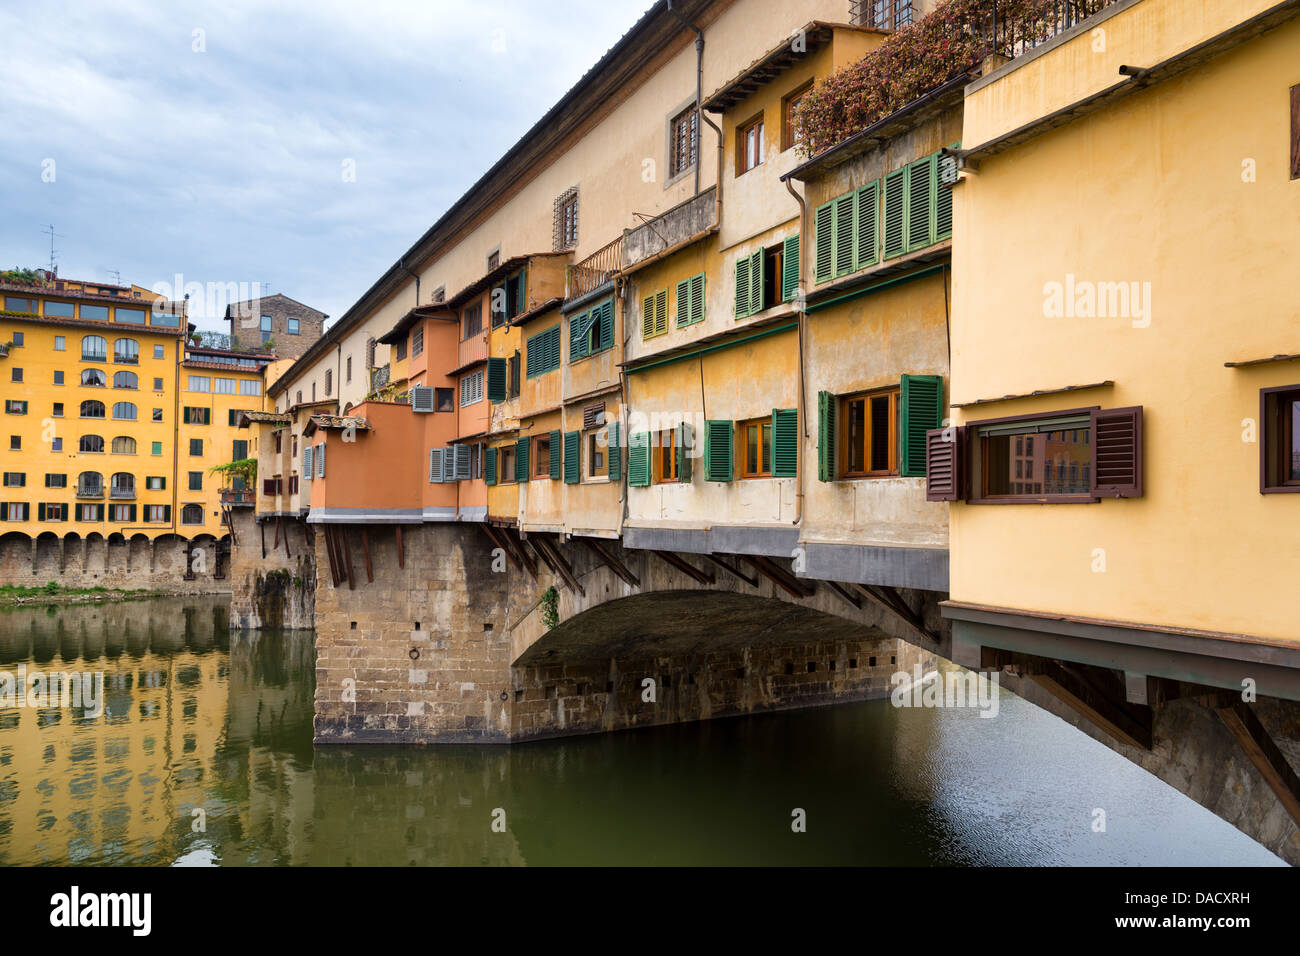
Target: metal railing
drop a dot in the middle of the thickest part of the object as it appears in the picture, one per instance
(379, 377)
(1013, 32)
(595, 270)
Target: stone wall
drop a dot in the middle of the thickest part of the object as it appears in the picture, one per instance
(117, 562)
(275, 590)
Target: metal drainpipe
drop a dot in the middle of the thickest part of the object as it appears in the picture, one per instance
(801, 303)
(700, 118)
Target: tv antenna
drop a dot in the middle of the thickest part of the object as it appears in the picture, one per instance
(117, 276)
(49, 231)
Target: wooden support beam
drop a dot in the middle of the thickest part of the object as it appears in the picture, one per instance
(1125, 722)
(329, 554)
(674, 560)
(512, 540)
(844, 592)
(276, 543)
(731, 569)
(499, 541)
(261, 527)
(286, 541)
(558, 562)
(401, 555)
(365, 544)
(890, 600)
(782, 578)
(342, 533)
(1260, 749)
(614, 564)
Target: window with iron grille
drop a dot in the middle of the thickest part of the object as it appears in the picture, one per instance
(684, 141)
(883, 14)
(566, 220)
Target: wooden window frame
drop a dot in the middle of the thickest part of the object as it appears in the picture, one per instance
(742, 447)
(742, 129)
(976, 484)
(787, 103)
(535, 456)
(506, 476)
(895, 393)
(1274, 438)
(659, 449)
(591, 441)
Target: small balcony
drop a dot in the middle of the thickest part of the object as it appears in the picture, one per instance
(90, 491)
(379, 377)
(238, 499)
(595, 270)
(669, 229)
(122, 494)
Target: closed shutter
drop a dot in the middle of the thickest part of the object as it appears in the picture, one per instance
(521, 460)
(463, 453)
(742, 287)
(132, 514)
(757, 298)
(607, 324)
(1117, 452)
(684, 443)
(496, 379)
(922, 410)
(868, 244)
(572, 458)
(320, 461)
(697, 298)
(76, 512)
(449, 464)
(661, 311)
(718, 450)
(825, 436)
(683, 295)
(895, 205)
(490, 467)
(40, 512)
(4, 511)
(920, 203)
(845, 233)
(306, 463)
(435, 465)
(824, 242)
(944, 455)
(648, 316)
(556, 451)
(945, 176)
(790, 268)
(638, 459)
(785, 442)
(167, 514)
(612, 432)
(591, 413)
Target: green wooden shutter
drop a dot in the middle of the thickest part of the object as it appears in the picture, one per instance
(920, 203)
(824, 242)
(521, 459)
(615, 451)
(167, 513)
(742, 287)
(40, 512)
(790, 268)
(684, 303)
(578, 326)
(943, 197)
(684, 442)
(490, 467)
(133, 514)
(572, 458)
(825, 436)
(757, 300)
(496, 380)
(638, 459)
(697, 298)
(606, 324)
(845, 230)
(895, 227)
(922, 410)
(558, 446)
(661, 311)
(554, 352)
(868, 245)
(785, 442)
(719, 450)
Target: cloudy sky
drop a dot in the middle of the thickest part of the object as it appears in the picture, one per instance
(214, 139)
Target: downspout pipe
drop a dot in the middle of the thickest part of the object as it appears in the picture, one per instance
(801, 304)
(700, 118)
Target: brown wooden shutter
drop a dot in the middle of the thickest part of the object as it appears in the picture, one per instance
(589, 414)
(1117, 452)
(944, 451)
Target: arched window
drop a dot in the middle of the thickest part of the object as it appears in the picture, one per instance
(126, 350)
(192, 514)
(90, 484)
(92, 443)
(94, 348)
(123, 485)
(93, 377)
(123, 445)
(124, 411)
(92, 409)
(124, 380)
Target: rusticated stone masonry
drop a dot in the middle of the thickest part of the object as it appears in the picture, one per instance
(276, 591)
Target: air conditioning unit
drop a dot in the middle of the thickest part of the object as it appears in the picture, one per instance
(421, 398)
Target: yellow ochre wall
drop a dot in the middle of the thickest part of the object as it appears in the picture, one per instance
(1150, 190)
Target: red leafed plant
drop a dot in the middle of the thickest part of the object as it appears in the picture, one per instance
(915, 59)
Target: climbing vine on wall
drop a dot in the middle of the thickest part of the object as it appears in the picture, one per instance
(551, 607)
(952, 39)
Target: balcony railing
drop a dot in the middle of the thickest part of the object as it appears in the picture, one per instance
(117, 492)
(379, 377)
(237, 499)
(90, 491)
(595, 270)
(1017, 27)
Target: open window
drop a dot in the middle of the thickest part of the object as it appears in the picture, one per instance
(1279, 463)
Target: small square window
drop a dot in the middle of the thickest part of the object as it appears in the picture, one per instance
(196, 447)
(58, 377)
(60, 343)
(58, 410)
(446, 398)
(266, 323)
(157, 414)
(15, 443)
(1280, 449)
(16, 374)
(157, 448)
(293, 326)
(56, 444)
(17, 338)
(157, 385)
(158, 351)
(196, 481)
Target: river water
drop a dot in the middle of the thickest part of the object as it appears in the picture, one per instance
(203, 756)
